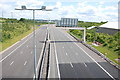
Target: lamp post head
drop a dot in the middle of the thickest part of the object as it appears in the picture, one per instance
(43, 7)
(23, 7)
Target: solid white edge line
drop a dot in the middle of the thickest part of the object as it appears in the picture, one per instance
(39, 61)
(15, 48)
(37, 68)
(49, 63)
(15, 43)
(93, 60)
(56, 59)
(49, 58)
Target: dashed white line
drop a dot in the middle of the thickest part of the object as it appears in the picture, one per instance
(15, 49)
(27, 45)
(11, 63)
(66, 54)
(63, 47)
(21, 52)
(25, 63)
(76, 53)
(31, 52)
(93, 60)
(71, 64)
(85, 65)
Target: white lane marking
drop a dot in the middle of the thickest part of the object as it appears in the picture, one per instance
(21, 52)
(25, 63)
(14, 50)
(34, 77)
(63, 47)
(50, 63)
(71, 64)
(11, 63)
(66, 54)
(27, 45)
(17, 47)
(37, 68)
(31, 52)
(76, 53)
(85, 64)
(67, 36)
(94, 60)
(56, 59)
(37, 64)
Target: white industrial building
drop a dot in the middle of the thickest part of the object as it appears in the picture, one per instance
(109, 28)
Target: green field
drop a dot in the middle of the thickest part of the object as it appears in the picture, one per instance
(10, 42)
(14, 30)
(108, 53)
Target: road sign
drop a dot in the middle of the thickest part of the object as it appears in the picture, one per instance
(67, 22)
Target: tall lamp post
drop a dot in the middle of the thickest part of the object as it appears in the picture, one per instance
(34, 40)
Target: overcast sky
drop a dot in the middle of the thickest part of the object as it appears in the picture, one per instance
(84, 10)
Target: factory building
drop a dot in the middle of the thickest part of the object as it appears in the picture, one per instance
(109, 28)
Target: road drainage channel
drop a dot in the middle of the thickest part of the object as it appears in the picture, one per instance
(44, 64)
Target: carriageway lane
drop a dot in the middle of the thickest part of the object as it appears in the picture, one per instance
(20, 64)
(73, 62)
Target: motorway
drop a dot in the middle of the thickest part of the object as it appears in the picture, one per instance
(18, 60)
(70, 59)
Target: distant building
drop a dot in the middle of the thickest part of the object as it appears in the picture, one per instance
(67, 22)
(109, 28)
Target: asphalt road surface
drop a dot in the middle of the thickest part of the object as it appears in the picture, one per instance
(70, 59)
(18, 61)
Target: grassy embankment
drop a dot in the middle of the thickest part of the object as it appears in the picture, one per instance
(110, 44)
(13, 32)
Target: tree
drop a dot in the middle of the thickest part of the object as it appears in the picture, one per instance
(22, 19)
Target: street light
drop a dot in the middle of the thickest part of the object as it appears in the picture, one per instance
(34, 41)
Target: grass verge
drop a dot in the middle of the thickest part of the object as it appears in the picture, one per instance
(104, 50)
(10, 42)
